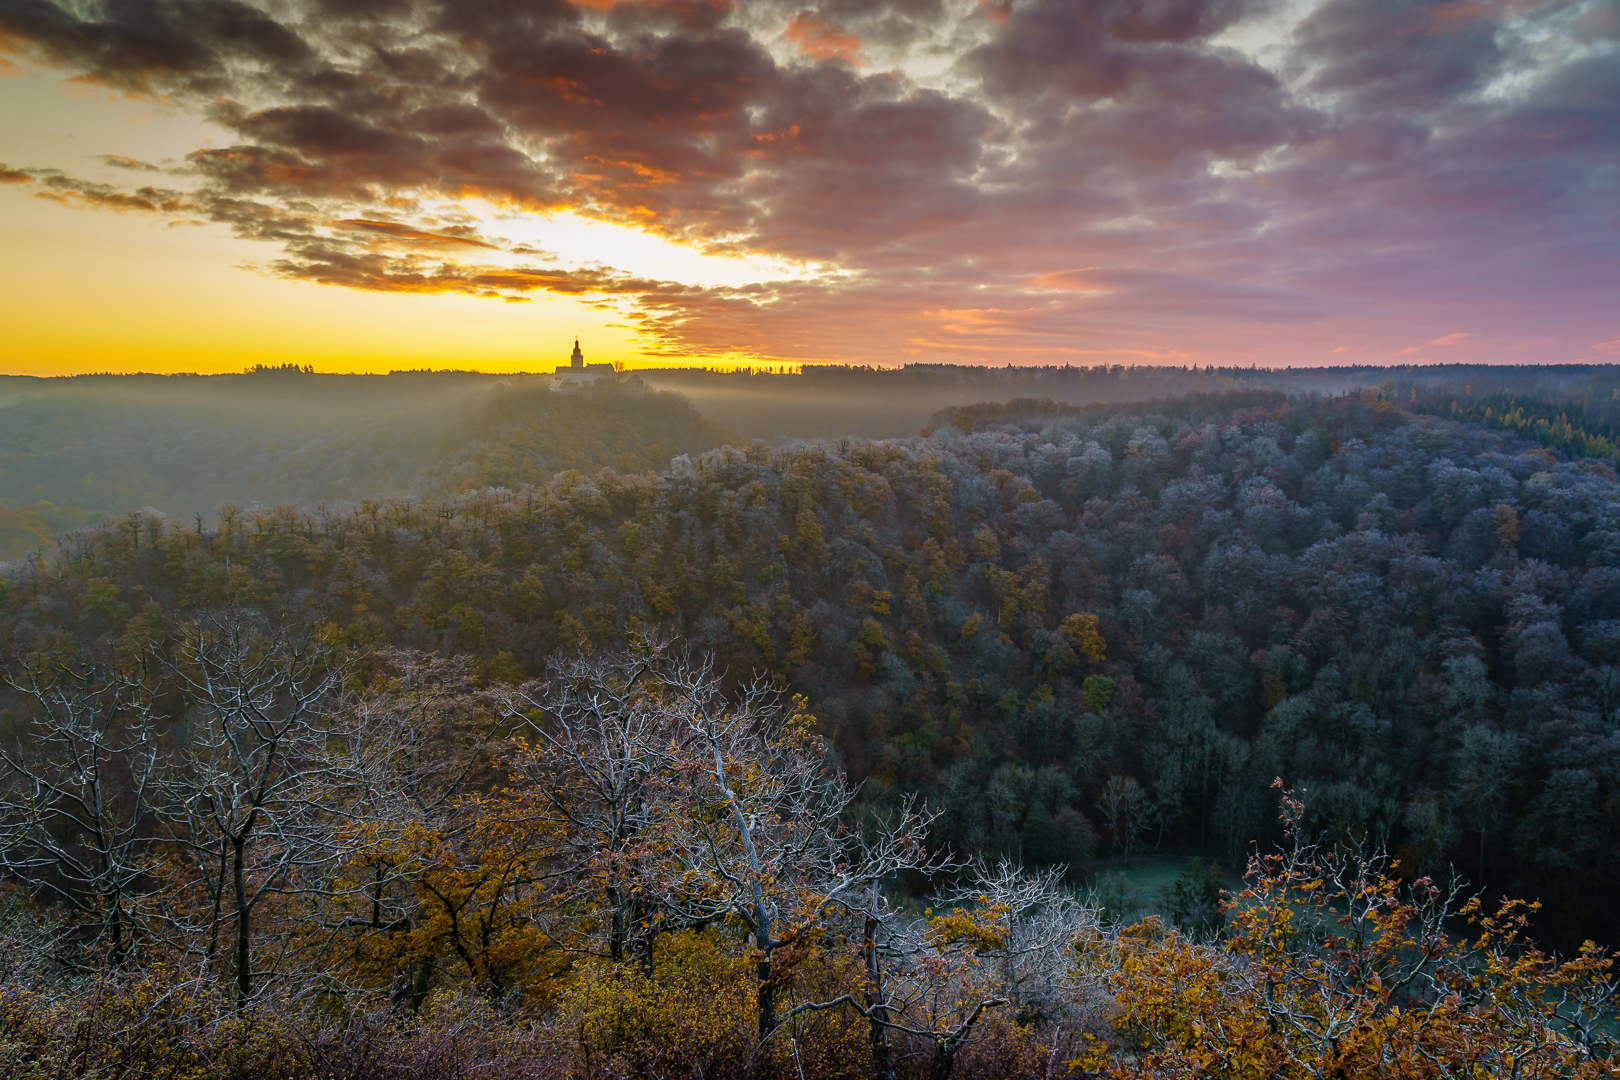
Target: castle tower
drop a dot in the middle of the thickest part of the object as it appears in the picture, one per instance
(576, 359)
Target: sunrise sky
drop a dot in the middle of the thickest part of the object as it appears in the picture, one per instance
(371, 184)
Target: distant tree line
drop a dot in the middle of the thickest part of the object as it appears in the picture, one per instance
(280, 369)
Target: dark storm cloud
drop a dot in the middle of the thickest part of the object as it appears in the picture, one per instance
(1389, 151)
(153, 46)
(1079, 50)
(1400, 53)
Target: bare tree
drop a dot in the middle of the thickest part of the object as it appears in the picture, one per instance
(243, 795)
(922, 981)
(598, 747)
(764, 812)
(1038, 921)
(400, 750)
(925, 978)
(678, 805)
(75, 809)
(768, 838)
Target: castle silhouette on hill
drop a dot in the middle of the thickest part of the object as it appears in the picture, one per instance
(579, 375)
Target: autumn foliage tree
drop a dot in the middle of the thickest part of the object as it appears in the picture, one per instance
(1336, 966)
(683, 805)
(595, 751)
(442, 885)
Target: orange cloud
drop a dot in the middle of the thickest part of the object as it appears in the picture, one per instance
(821, 40)
(999, 10)
(405, 232)
(11, 45)
(120, 161)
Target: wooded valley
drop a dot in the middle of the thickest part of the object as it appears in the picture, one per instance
(816, 755)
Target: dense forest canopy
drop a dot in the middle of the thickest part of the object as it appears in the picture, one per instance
(581, 736)
(1077, 631)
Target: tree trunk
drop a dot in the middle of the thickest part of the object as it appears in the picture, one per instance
(116, 954)
(617, 931)
(244, 968)
(644, 952)
(211, 957)
(877, 1007)
(944, 1058)
(767, 995)
(422, 984)
(759, 916)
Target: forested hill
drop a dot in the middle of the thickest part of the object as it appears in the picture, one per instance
(75, 450)
(1078, 631)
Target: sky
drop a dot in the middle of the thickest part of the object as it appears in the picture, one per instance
(362, 185)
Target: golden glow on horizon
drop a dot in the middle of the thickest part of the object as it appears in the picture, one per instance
(108, 292)
(91, 291)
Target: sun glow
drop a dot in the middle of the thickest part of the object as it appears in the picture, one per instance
(178, 294)
(574, 241)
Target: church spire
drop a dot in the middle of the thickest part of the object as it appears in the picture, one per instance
(577, 358)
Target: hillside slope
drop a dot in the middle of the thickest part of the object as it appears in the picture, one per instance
(1077, 632)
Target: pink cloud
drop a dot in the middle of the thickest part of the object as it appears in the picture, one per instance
(820, 39)
(1444, 342)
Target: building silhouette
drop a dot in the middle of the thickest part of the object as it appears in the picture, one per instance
(579, 375)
